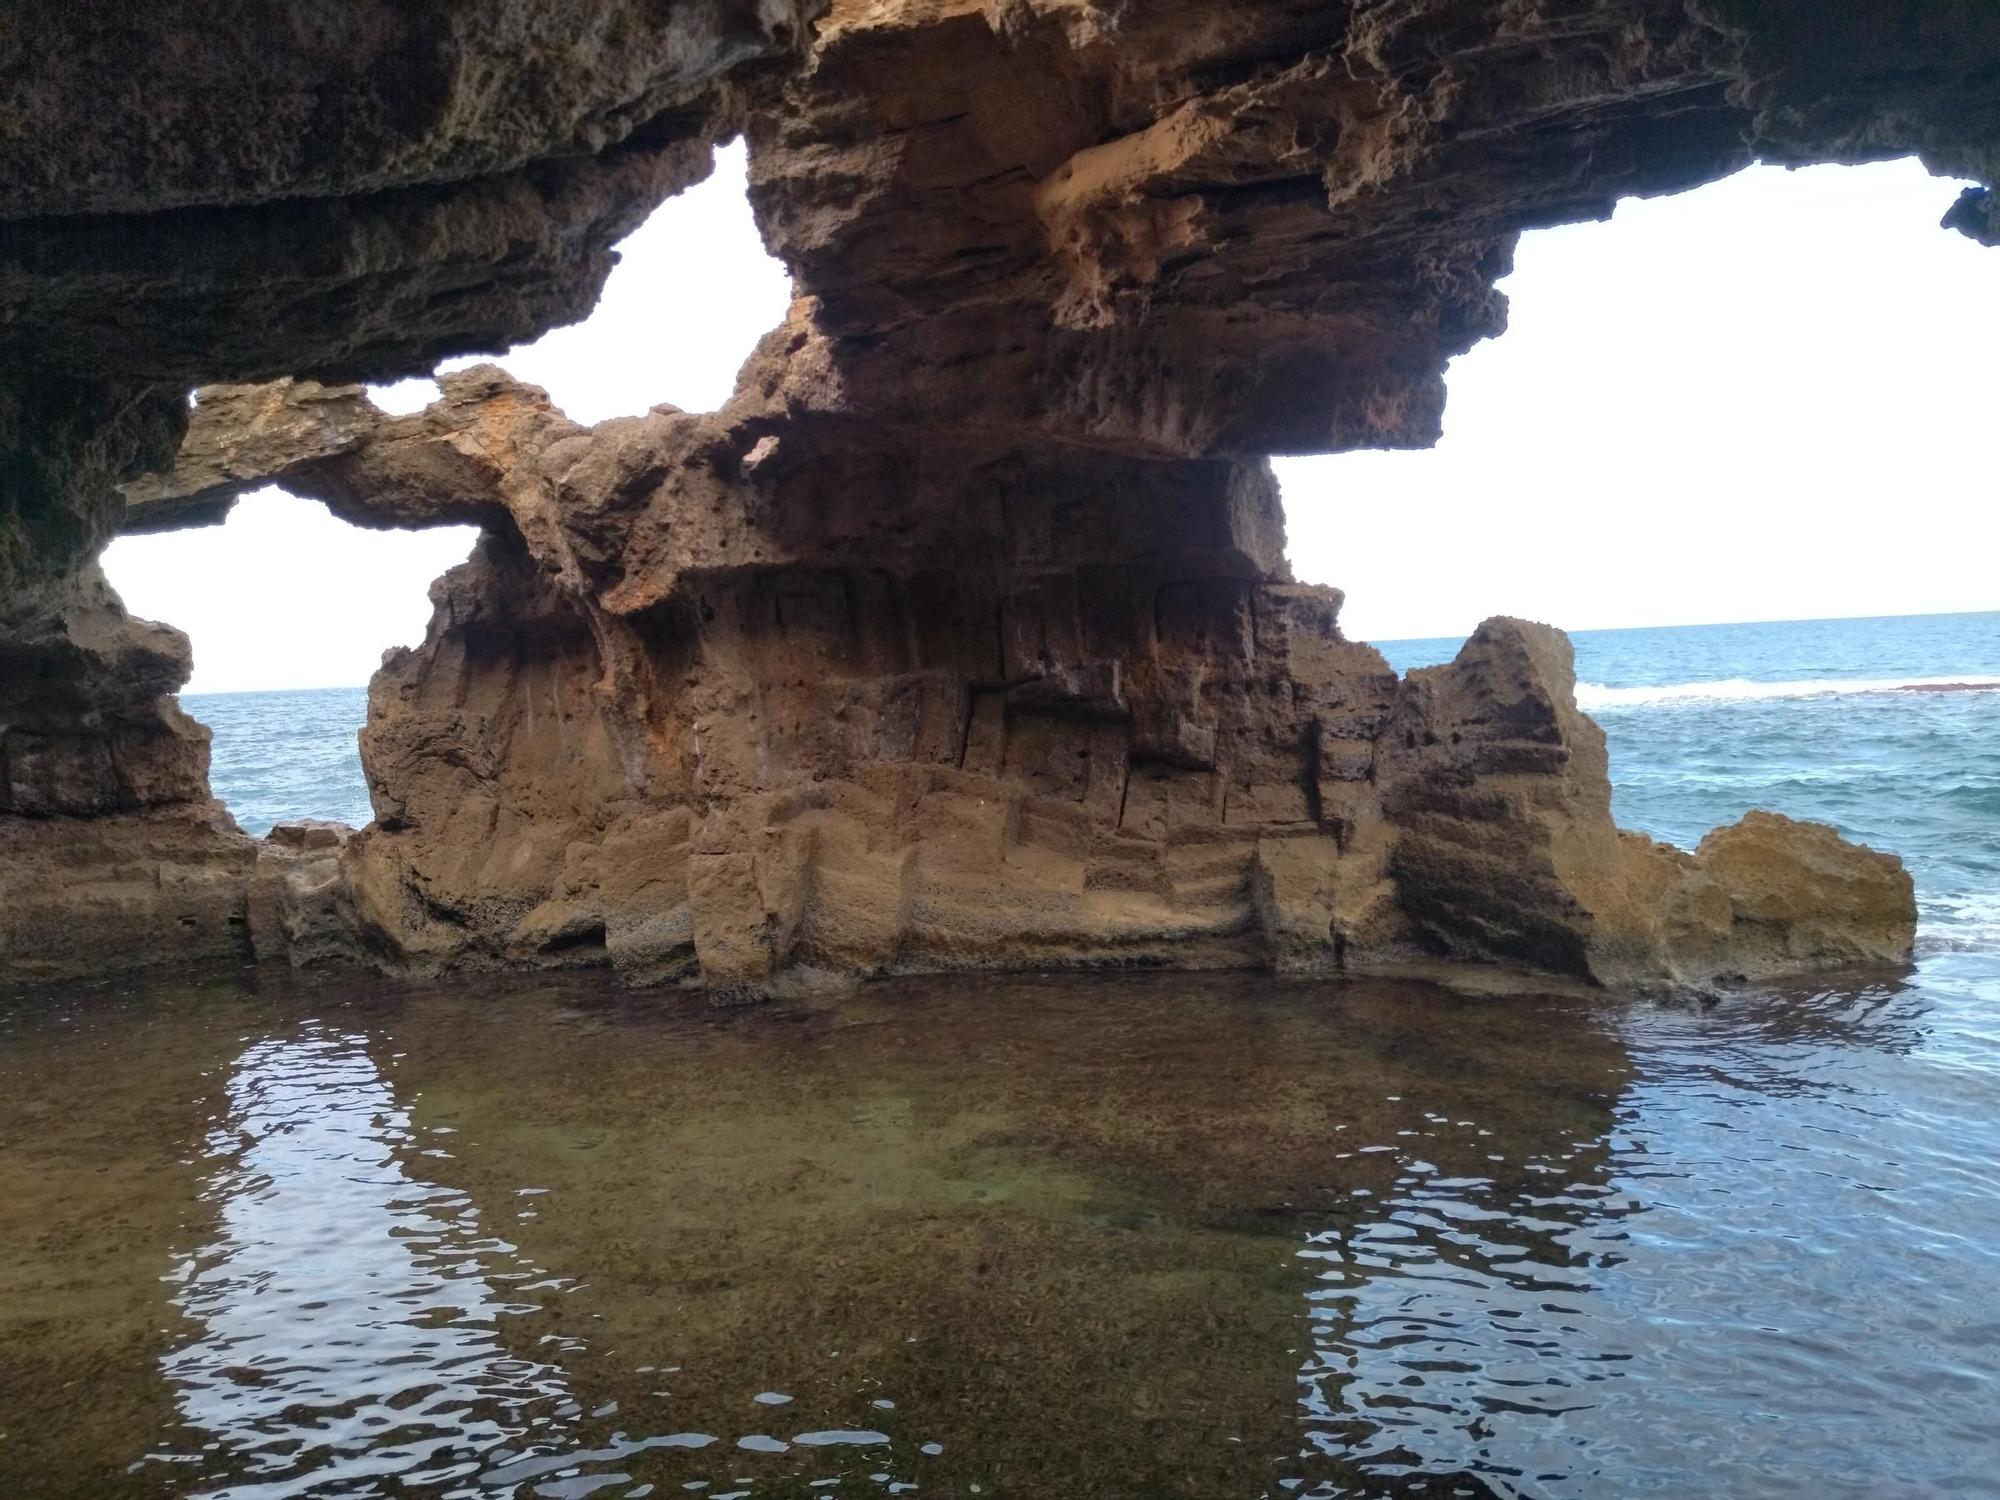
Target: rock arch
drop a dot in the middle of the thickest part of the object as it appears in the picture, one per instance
(991, 504)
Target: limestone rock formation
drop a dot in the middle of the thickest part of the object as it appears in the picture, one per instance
(251, 193)
(1190, 228)
(1506, 849)
(298, 905)
(1801, 896)
(747, 696)
(112, 849)
(963, 634)
(82, 896)
(190, 194)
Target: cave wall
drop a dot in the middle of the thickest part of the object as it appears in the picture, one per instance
(1067, 272)
(245, 190)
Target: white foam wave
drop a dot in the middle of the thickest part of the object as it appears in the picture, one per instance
(1591, 695)
(1968, 923)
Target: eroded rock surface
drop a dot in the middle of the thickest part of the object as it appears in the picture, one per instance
(192, 193)
(1190, 228)
(749, 696)
(123, 890)
(963, 635)
(113, 851)
(1500, 791)
(244, 191)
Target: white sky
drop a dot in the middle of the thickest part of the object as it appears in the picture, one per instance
(1771, 398)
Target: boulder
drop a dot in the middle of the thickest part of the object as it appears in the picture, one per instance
(1801, 897)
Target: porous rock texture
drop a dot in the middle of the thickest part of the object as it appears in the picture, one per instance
(963, 635)
(248, 189)
(760, 695)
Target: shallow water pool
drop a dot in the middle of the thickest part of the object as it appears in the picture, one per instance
(1096, 1236)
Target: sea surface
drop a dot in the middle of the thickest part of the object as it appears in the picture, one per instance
(1120, 1235)
(277, 757)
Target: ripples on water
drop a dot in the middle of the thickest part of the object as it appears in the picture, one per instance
(1115, 1236)
(348, 1307)
(1776, 1272)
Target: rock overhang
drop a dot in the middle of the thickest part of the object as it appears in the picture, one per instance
(1067, 272)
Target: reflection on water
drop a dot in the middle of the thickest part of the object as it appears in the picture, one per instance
(1117, 1236)
(1777, 1273)
(349, 1309)
(351, 1312)
(1454, 1304)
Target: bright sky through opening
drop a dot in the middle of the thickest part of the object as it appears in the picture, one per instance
(1770, 398)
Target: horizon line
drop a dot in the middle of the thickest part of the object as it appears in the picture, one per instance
(1928, 614)
(1392, 640)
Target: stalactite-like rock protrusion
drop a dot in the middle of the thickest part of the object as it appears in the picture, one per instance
(963, 634)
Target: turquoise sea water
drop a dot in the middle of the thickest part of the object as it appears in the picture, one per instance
(277, 757)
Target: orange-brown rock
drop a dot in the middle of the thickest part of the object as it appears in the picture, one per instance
(299, 903)
(1191, 228)
(167, 885)
(747, 697)
(112, 849)
(730, 695)
(1500, 791)
(190, 194)
(963, 635)
(1800, 896)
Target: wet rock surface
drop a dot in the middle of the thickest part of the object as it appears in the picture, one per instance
(963, 634)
